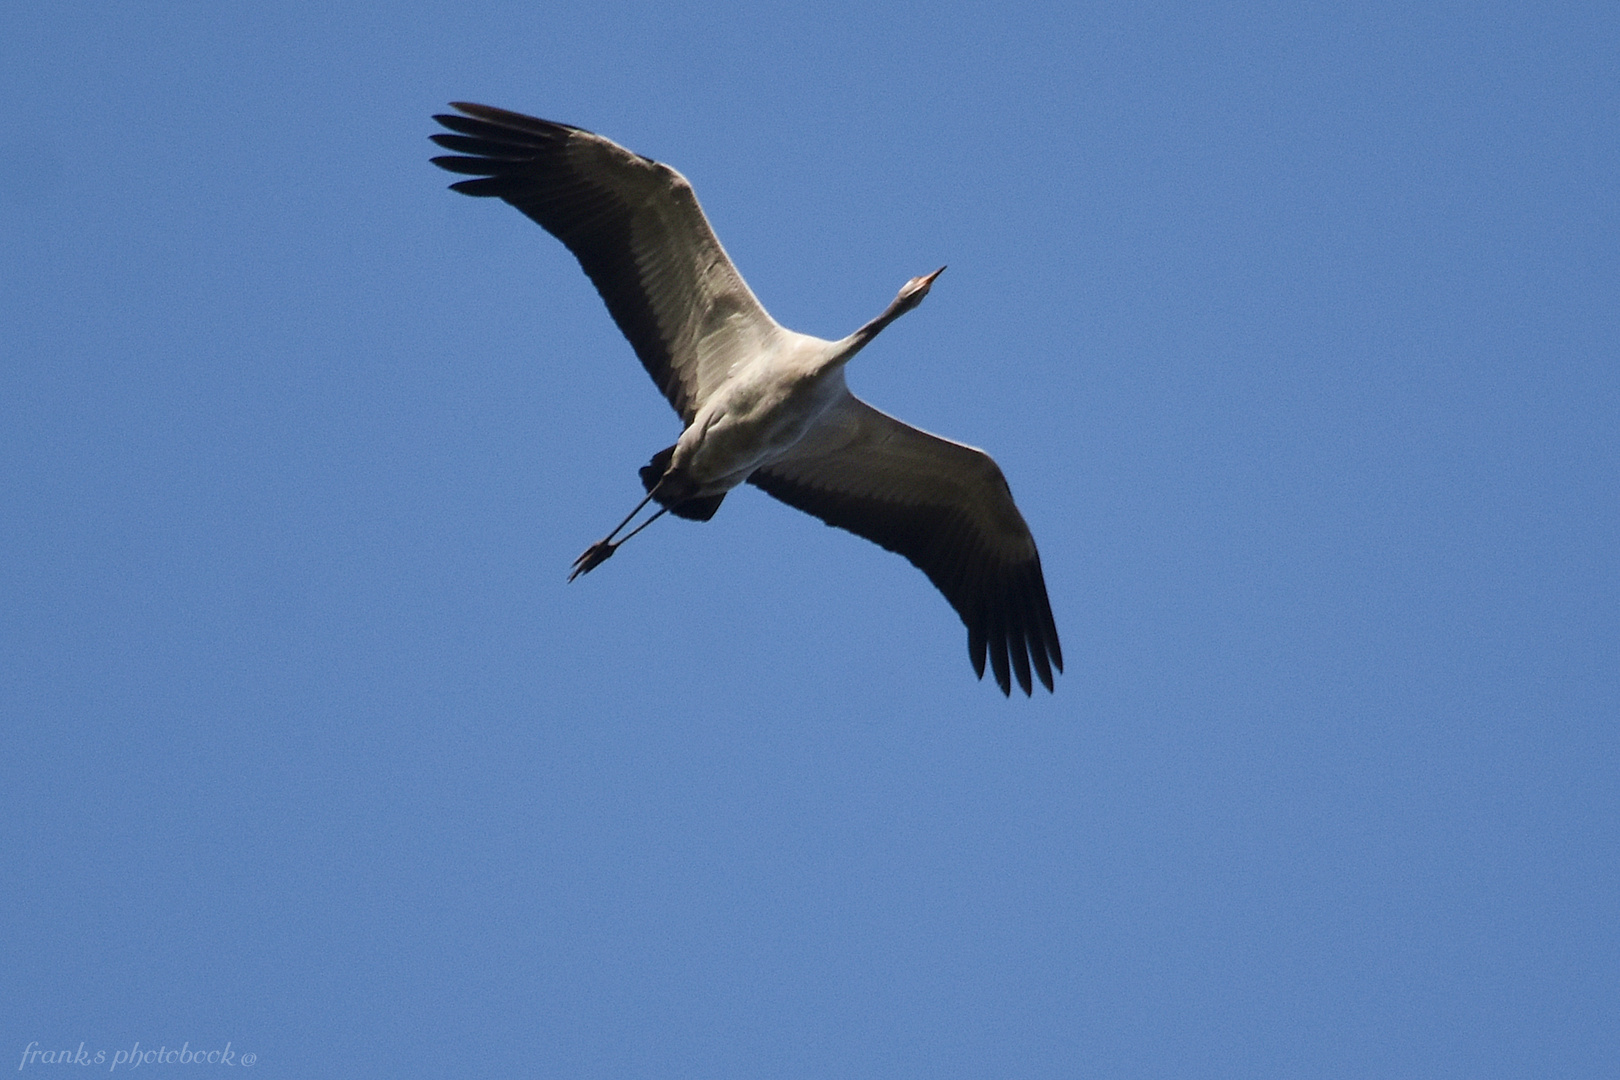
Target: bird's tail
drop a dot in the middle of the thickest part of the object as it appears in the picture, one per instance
(692, 509)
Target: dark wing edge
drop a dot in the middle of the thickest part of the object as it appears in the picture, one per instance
(633, 224)
(945, 507)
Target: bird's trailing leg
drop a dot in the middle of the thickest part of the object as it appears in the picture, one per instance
(599, 552)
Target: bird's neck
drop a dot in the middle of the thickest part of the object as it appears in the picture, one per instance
(861, 338)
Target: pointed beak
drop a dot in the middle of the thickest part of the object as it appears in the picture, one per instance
(918, 287)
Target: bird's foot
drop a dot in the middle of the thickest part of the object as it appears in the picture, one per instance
(594, 556)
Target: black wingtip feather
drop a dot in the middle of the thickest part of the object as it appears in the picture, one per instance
(1033, 639)
(488, 187)
(508, 118)
(470, 166)
(500, 150)
(1017, 646)
(1030, 595)
(976, 645)
(998, 646)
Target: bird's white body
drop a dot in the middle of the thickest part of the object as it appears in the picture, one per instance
(760, 413)
(762, 403)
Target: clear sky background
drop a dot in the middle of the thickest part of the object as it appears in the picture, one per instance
(1295, 329)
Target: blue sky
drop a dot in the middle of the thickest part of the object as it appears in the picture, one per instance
(1294, 329)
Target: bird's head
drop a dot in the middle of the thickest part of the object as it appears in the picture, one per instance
(911, 294)
(913, 291)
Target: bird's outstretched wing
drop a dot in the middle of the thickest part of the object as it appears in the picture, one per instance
(944, 506)
(638, 232)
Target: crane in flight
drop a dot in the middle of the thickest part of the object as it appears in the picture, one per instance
(761, 403)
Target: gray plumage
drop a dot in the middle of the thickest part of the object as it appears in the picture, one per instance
(762, 403)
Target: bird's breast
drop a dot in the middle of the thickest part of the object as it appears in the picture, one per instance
(753, 419)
